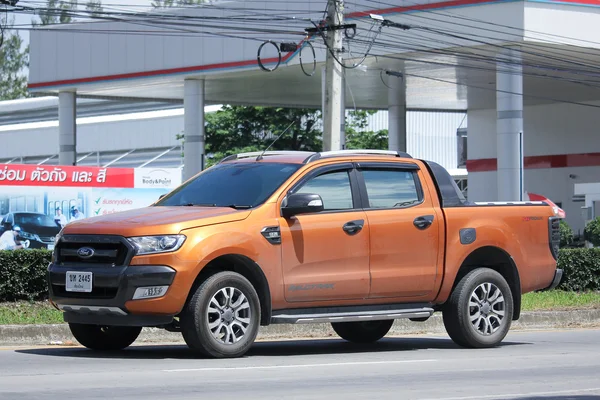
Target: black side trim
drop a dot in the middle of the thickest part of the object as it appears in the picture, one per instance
(272, 234)
(556, 281)
(448, 193)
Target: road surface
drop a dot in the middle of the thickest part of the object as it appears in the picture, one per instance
(560, 365)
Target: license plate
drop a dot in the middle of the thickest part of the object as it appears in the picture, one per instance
(78, 282)
(50, 247)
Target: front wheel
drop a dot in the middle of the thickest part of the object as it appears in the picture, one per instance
(480, 309)
(222, 318)
(104, 338)
(362, 332)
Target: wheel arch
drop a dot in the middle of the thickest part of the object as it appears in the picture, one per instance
(246, 267)
(500, 261)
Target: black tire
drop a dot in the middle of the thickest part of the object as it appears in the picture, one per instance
(105, 338)
(362, 331)
(196, 319)
(457, 311)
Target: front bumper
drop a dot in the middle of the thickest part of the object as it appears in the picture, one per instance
(112, 288)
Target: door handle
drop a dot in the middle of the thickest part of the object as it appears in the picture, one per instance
(353, 227)
(423, 222)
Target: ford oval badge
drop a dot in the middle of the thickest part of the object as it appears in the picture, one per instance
(85, 252)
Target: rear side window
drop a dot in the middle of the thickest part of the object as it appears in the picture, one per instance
(391, 188)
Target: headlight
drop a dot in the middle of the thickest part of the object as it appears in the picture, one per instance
(156, 244)
(29, 236)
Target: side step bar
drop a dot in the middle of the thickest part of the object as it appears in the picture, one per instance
(291, 317)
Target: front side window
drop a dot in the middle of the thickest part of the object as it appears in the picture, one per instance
(333, 187)
(391, 188)
(237, 185)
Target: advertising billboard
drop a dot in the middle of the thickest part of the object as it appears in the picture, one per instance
(40, 200)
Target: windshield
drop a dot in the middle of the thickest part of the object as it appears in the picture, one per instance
(231, 185)
(35, 219)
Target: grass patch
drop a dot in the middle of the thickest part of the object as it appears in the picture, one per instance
(23, 313)
(556, 300)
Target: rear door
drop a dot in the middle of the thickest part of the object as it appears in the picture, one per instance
(405, 231)
(325, 255)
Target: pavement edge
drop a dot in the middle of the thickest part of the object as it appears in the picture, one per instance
(59, 334)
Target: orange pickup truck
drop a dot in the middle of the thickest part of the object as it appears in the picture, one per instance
(355, 238)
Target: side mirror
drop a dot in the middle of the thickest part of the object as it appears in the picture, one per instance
(302, 203)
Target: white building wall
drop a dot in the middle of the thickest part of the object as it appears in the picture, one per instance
(430, 135)
(557, 129)
(116, 132)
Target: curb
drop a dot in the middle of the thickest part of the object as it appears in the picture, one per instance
(59, 334)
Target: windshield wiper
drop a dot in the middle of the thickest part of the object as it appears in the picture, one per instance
(198, 205)
(238, 207)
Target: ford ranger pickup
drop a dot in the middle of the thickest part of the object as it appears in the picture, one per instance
(354, 238)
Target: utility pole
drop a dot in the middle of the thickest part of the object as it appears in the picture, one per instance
(332, 118)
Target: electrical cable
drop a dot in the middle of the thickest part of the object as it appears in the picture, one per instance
(309, 44)
(375, 44)
(460, 17)
(258, 58)
(474, 27)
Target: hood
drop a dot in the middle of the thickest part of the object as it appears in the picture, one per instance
(40, 230)
(155, 220)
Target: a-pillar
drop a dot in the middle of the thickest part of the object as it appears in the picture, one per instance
(509, 125)
(396, 113)
(67, 128)
(193, 104)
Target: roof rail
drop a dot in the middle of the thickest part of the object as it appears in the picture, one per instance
(258, 153)
(344, 153)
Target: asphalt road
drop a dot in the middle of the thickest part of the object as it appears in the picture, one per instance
(556, 365)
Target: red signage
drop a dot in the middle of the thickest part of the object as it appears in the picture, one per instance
(71, 176)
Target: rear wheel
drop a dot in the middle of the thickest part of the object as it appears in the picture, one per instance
(104, 338)
(362, 331)
(480, 309)
(222, 318)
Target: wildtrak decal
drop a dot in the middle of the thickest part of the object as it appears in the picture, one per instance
(527, 219)
(316, 286)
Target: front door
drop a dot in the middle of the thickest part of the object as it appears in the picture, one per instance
(325, 256)
(405, 232)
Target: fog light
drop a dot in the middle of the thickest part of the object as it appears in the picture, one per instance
(149, 292)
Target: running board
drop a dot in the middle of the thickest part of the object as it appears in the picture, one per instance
(291, 317)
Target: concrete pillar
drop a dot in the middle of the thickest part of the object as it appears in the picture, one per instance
(67, 128)
(343, 113)
(509, 125)
(396, 114)
(193, 104)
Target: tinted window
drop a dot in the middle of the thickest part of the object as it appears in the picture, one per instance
(34, 219)
(391, 188)
(225, 185)
(334, 188)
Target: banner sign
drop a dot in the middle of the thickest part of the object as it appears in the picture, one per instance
(40, 200)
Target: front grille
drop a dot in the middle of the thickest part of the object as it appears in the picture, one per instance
(106, 251)
(554, 236)
(96, 293)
